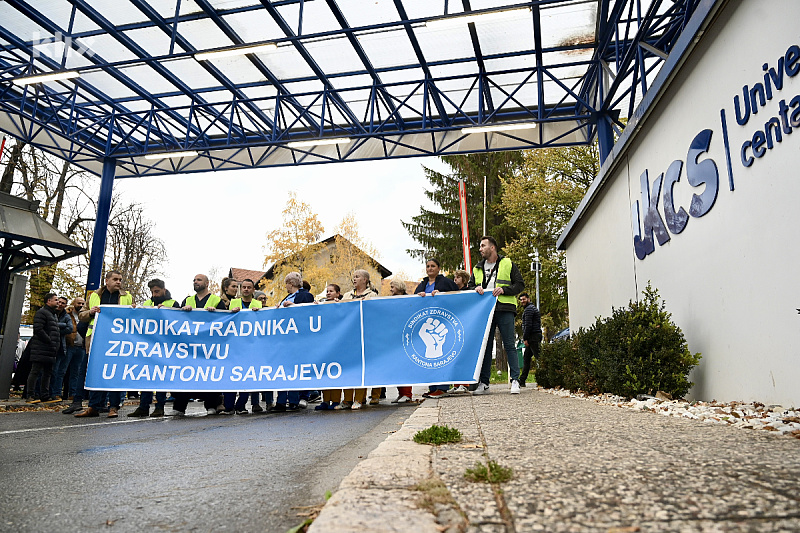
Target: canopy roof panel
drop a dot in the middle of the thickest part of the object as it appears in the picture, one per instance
(26, 240)
(386, 78)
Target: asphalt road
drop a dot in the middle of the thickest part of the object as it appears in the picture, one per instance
(235, 473)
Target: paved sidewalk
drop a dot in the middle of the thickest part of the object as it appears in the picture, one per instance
(578, 466)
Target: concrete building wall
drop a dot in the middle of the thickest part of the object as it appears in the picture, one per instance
(730, 278)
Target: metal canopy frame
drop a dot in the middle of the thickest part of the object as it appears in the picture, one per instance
(132, 99)
(383, 74)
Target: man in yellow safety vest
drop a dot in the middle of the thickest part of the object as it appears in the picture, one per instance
(201, 299)
(109, 294)
(159, 297)
(502, 277)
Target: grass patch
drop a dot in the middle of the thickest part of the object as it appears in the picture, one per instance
(437, 435)
(310, 512)
(491, 473)
(432, 492)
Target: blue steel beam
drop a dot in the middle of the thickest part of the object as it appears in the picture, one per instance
(97, 253)
(301, 49)
(93, 15)
(486, 96)
(49, 26)
(359, 50)
(153, 15)
(280, 86)
(401, 10)
(168, 127)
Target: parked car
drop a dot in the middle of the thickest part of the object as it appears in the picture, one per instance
(25, 332)
(563, 334)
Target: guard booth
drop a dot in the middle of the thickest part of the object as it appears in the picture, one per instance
(27, 242)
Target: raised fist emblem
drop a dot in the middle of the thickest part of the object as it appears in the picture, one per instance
(433, 333)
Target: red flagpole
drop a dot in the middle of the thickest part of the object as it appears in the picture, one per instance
(462, 199)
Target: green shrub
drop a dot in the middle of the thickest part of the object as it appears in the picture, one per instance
(637, 350)
(437, 435)
(488, 473)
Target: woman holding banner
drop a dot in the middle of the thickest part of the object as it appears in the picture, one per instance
(362, 290)
(435, 283)
(398, 288)
(296, 295)
(330, 397)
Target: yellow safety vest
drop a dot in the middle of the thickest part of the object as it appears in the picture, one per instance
(237, 302)
(503, 279)
(213, 300)
(94, 301)
(165, 303)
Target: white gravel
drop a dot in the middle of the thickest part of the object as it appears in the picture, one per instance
(743, 415)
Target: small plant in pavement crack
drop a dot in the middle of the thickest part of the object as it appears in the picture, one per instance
(488, 473)
(437, 435)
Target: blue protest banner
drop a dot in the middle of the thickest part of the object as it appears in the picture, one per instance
(403, 340)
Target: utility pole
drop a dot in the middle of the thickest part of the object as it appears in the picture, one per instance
(484, 205)
(536, 265)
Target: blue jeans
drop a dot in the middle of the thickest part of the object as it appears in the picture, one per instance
(80, 376)
(292, 397)
(72, 362)
(505, 321)
(59, 369)
(229, 400)
(97, 398)
(146, 398)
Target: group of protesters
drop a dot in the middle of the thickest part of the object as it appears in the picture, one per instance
(63, 333)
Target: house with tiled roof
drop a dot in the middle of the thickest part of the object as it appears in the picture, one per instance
(326, 252)
(240, 274)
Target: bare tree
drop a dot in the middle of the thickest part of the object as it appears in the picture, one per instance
(60, 190)
(133, 249)
(66, 197)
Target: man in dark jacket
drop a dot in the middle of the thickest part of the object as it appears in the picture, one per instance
(500, 276)
(62, 360)
(531, 334)
(44, 347)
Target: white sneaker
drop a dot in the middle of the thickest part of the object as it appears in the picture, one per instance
(303, 404)
(176, 413)
(356, 405)
(514, 386)
(401, 399)
(211, 411)
(461, 389)
(483, 388)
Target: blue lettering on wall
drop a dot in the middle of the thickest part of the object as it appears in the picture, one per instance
(676, 220)
(645, 216)
(701, 173)
(697, 174)
(643, 240)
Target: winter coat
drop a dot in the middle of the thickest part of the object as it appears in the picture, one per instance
(531, 324)
(46, 336)
(64, 329)
(442, 284)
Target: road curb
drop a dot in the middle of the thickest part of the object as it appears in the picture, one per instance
(378, 494)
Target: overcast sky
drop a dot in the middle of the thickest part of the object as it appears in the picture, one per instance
(220, 219)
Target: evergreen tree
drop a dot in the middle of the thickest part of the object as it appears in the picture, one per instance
(539, 202)
(439, 231)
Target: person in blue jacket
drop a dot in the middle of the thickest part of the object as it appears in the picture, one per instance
(430, 286)
(296, 295)
(435, 282)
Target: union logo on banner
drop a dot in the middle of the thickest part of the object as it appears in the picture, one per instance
(433, 337)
